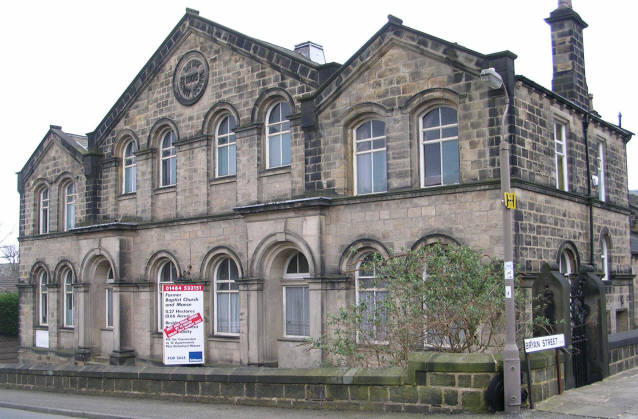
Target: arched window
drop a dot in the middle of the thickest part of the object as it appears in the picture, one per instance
(604, 256)
(129, 168)
(168, 160)
(439, 147)
(69, 206)
(68, 297)
(370, 294)
(109, 299)
(226, 298)
(166, 274)
(226, 147)
(296, 297)
(278, 136)
(43, 211)
(567, 263)
(43, 303)
(370, 157)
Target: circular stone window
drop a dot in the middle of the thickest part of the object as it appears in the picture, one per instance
(190, 78)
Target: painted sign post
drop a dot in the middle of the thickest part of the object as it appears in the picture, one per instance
(183, 312)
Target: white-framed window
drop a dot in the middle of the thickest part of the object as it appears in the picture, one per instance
(129, 168)
(68, 298)
(43, 211)
(560, 144)
(567, 263)
(370, 157)
(226, 298)
(296, 297)
(166, 274)
(109, 299)
(601, 171)
(370, 294)
(43, 303)
(168, 160)
(604, 256)
(69, 206)
(439, 151)
(226, 147)
(278, 136)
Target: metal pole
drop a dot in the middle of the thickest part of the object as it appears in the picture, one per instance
(511, 359)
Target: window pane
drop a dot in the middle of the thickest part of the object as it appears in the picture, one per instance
(450, 132)
(45, 308)
(364, 146)
(364, 173)
(70, 216)
(223, 313)
(432, 158)
(297, 313)
(448, 116)
(364, 131)
(431, 119)
(109, 307)
(285, 149)
(303, 264)
(232, 159)
(173, 175)
(222, 161)
(274, 129)
(434, 134)
(285, 110)
(380, 184)
(560, 169)
(274, 151)
(223, 127)
(68, 306)
(380, 143)
(234, 312)
(275, 113)
(293, 267)
(378, 128)
(450, 151)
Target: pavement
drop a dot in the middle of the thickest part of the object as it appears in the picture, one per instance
(614, 397)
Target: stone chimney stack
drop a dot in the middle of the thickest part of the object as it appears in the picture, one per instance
(568, 54)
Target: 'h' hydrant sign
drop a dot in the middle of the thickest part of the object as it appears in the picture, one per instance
(183, 311)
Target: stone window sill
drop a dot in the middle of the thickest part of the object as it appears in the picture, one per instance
(294, 339)
(222, 180)
(223, 338)
(274, 171)
(127, 196)
(164, 189)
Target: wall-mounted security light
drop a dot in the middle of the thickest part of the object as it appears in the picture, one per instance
(492, 78)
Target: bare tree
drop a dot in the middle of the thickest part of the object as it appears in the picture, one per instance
(10, 253)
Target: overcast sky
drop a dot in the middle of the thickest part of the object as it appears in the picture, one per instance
(66, 62)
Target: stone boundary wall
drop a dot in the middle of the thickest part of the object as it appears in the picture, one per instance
(623, 351)
(8, 349)
(432, 383)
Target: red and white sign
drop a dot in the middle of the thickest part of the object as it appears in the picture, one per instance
(182, 310)
(182, 325)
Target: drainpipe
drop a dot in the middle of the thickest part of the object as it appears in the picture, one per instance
(589, 198)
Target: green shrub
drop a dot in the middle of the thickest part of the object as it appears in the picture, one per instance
(9, 314)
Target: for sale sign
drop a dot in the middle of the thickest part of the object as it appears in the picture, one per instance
(183, 311)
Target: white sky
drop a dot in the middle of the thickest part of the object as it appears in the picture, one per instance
(66, 62)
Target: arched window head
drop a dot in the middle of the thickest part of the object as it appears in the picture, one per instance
(69, 206)
(226, 147)
(68, 297)
(129, 168)
(166, 274)
(439, 149)
(226, 298)
(370, 157)
(567, 263)
(168, 160)
(43, 294)
(278, 136)
(297, 265)
(43, 211)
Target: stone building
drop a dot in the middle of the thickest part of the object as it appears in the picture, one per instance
(268, 175)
